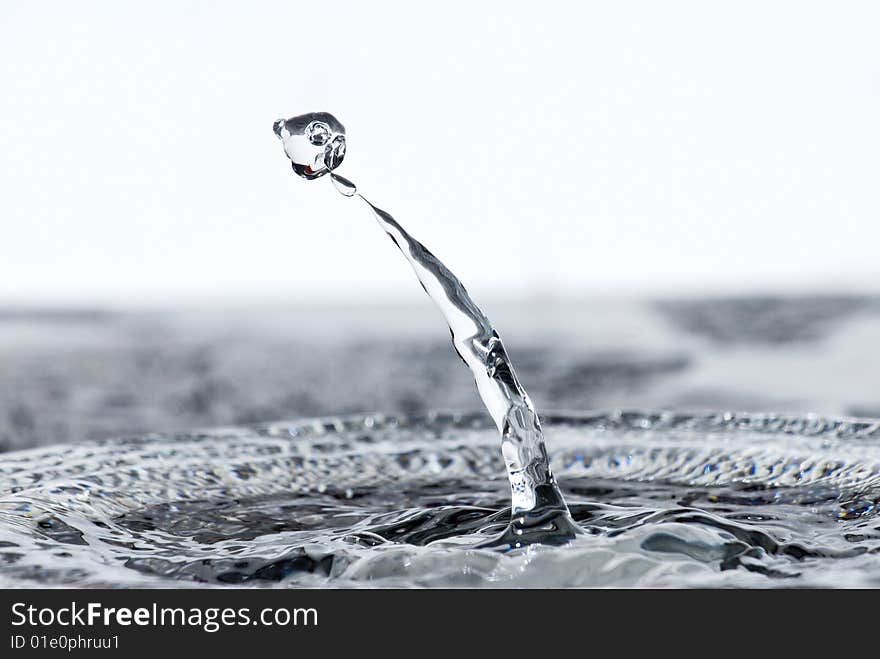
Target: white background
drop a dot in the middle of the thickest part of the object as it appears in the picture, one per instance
(540, 149)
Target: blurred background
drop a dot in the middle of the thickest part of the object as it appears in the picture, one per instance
(659, 204)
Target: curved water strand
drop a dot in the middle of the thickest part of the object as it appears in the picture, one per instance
(539, 512)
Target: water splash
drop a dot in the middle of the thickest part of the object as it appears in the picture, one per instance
(539, 512)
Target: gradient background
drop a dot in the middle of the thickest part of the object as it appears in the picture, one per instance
(660, 205)
(544, 151)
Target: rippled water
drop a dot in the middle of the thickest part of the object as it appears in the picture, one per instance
(665, 500)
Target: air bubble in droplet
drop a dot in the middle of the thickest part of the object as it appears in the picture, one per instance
(318, 133)
(334, 152)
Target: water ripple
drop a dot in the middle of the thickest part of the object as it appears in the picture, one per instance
(665, 500)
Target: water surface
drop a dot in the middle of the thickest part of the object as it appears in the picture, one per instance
(663, 499)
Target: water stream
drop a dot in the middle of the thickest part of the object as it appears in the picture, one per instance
(539, 513)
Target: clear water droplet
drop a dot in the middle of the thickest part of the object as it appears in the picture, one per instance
(314, 142)
(343, 185)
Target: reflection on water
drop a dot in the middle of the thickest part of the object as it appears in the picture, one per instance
(95, 375)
